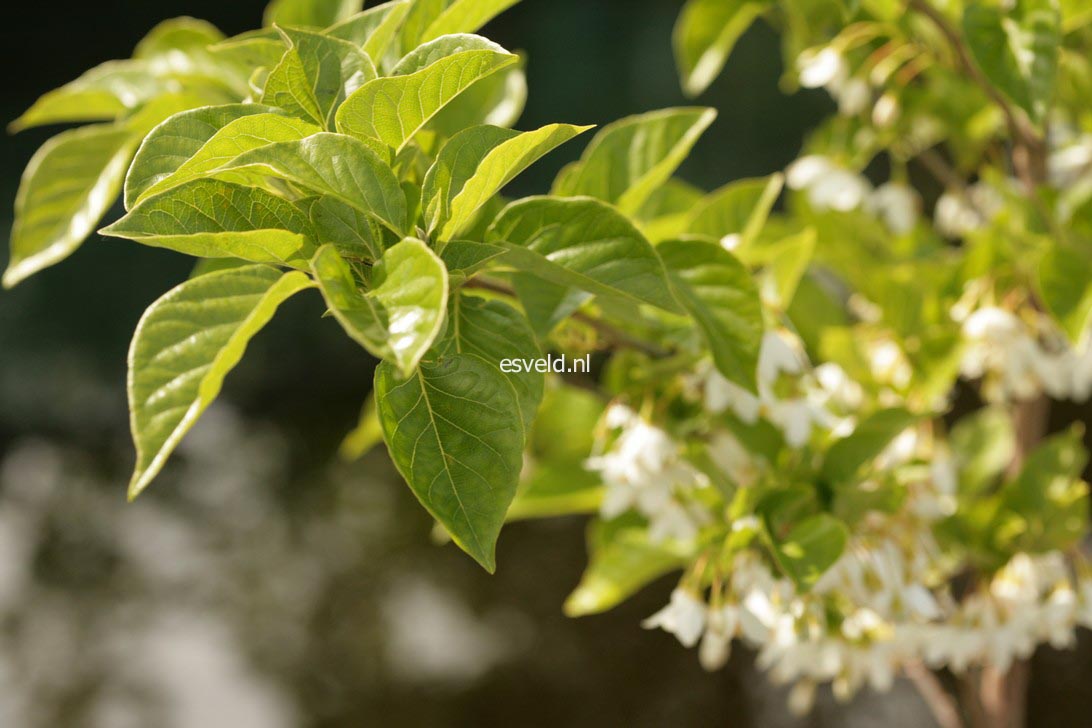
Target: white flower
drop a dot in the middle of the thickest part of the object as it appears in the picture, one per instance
(896, 205)
(716, 644)
(779, 354)
(820, 68)
(807, 170)
(643, 470)
(731, 241)
(886, 111)
(842, 390)
(840, 190)
(802, 697)
(684, 617)
(959, 213)
(1070, 161)
(732, 458)
(853, 96)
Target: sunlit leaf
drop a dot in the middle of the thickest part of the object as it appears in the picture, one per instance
(400, 314)
(70, 183)
(185, 345)
(629, 159)
(214, 219)
(393, 109)
(476, 164)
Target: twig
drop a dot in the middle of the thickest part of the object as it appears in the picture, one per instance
(943, 706)
(943, 172)
(608, 332)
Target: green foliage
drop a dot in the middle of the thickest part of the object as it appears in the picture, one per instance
(453, 428)
(705, 34)
(720, 295)
(367, 153)
(186, 344)
(1018, 51)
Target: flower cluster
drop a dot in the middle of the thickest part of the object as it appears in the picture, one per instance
(1020, 355)
(833, 187)
(642, 469)
(791, 395)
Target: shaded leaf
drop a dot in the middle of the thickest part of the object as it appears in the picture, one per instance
(313, 13)
(495, 331)
(720, 295)
(453, 430)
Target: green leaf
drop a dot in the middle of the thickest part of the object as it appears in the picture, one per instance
(1047, 504)
(495, 331)
(1017, 50)
(586, 244)
(665, 212)
(870, 438)
(104, 92)
(621, 562)
(70, 183)
(169, 145)
(720, 295)
(705, 34)
(786, 262)
(367, 434)
(466, 257)
(402, 312)
(426, 54)
(465, 16)
(393, 109)
(255, 49)
(454, 432)
(1065, 285)
(476, 164)
(239, 136)
(497, 100)
(184, 346)
(312, 13)
(329, 165)
(983, 444)
(556, 489)
(738, 208)
(374, 29)
(215, 219)
(629, 159)
(315, 76)
(810, 548)
(187, 35)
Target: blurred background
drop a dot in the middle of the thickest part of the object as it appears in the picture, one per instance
(261, 583)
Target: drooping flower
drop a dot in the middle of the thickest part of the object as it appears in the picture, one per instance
(684, 616)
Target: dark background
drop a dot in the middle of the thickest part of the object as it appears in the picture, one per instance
(259, 574)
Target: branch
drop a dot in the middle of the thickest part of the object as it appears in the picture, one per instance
(604, 329)
(943, 706)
